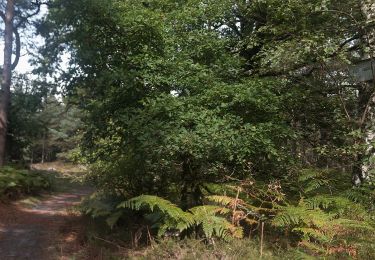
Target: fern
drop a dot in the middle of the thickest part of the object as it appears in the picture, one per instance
(172, 217)
(239, 209)
(309, 232)
(98, 205)
(300, 215)
(364, 195)
(213, 225)
(208, 210)
(14, 182)
(322, 221)
(314, 179)
(340, 206)
(223, 200)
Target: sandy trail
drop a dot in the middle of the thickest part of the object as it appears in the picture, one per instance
(35, 233)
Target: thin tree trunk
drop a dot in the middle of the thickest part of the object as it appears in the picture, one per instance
(184, 192)
(43, 147)
(6, 77)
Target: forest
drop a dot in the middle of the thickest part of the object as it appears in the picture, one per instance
(196, 129)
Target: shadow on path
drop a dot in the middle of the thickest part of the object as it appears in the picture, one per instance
(33, 233)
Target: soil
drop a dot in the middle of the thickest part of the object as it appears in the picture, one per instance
(49, 230)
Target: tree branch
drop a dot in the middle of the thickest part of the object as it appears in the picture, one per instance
(235, 29)
(2, 15)
(17, 39)
(38, 4)
(18, 48)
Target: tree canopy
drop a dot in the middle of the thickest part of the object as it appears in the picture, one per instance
(191, 92)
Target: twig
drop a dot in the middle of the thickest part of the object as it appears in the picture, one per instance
(150, 237)
(235, 205)
(109, 242)
(261, 239)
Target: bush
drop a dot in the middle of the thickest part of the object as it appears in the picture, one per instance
(14, 182)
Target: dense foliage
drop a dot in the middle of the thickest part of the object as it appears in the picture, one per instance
(193, 92)
(220, 116)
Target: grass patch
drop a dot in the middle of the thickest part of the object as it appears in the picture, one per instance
(195, 249)
(131, 241)
(109, 247)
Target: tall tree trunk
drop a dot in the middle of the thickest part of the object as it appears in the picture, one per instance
(6, 77)
(364, 167)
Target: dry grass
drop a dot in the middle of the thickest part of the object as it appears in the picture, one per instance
(59, 166)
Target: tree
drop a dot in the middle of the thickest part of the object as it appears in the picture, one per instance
(59, 132)
(15, 16)
(24, 124)
(367, 97)
(250, 99)
(8, 18)
(200, 92)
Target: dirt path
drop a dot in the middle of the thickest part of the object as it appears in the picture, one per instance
(44, 231)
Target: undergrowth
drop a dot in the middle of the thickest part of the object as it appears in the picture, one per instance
(320, 215)
(15, 182)
(195, 249)
(128, 242)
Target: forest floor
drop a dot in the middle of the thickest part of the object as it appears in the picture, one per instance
(44, 227)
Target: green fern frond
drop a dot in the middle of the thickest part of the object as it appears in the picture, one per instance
(322, 221)
(289, 216)
(308, 174)
(220, 227)
(314, 179)
(364, 195)
(208, 210)
(298, 215)
(352, 225)
(324, 202)
(173, 217)
(313, 233)
(315, 184)
(213, 225)
(338, 205)
(222, 200)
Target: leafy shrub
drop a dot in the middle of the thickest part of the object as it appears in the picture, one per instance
(15, 182)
